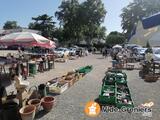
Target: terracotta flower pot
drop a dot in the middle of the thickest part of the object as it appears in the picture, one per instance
(27, 112)
(47, 103)
(36, 103)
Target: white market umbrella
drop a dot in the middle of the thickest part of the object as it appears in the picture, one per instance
(117, 46)
(26, 39)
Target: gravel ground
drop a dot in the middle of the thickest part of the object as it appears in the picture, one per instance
(70, 104)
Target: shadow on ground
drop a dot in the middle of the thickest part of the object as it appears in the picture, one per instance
(40, 114)
(101, 58)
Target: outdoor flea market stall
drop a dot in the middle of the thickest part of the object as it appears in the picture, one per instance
(123, 58)
(27, 102)
(21, 65)
(27, 62)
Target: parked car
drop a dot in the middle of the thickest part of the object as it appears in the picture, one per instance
(156, 54)
(72, 51)
(81, 51)
(132, 46)
(59, 52)
(139, 53)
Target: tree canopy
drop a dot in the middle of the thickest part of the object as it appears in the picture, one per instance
(10, 25)
(115, 38)
(68, 17)
(45, 24)
(135, 11)
(81, 21)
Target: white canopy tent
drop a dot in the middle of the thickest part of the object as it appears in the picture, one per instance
(117, 46)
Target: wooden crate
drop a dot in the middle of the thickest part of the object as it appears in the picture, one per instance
(70, 82)
(60, 88)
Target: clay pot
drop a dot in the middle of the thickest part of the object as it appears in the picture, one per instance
(36, 103)
(47, 103)
(27, 112)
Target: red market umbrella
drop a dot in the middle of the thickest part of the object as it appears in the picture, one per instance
(26, 39)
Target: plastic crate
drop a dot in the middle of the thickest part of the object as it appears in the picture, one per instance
(109, 79)
(114, 70)
(120, 104)
(106, 99)
(121, 75)
(108, 87)
(121, 81)
(85, 70)
(124, 92)
(107, 95)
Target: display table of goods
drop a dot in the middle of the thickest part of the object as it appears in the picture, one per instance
(60, 84)
(115, 90)
(85, 69)
(36, 97)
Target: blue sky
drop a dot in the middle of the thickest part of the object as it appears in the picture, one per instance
(23, 10)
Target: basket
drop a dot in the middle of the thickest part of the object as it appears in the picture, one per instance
(151, 78)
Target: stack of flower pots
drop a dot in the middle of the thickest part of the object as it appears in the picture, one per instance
(29, 111)
(115, 90)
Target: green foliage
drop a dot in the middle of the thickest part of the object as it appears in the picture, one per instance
(58, 33)
(45, 24)
(115, 38)
(93, 15)
(81, 21)
(68, 17)
(136, 10)
(11, 25)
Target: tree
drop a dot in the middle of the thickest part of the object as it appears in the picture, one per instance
(58, 33)
(81, 21)
(101, 33)
(115, 38)
(93, 15)
(68, 17)
(45, 24)
(11, 25)
(135, 11)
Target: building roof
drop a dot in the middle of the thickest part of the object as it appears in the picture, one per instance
(147, 22)
(151, 21)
